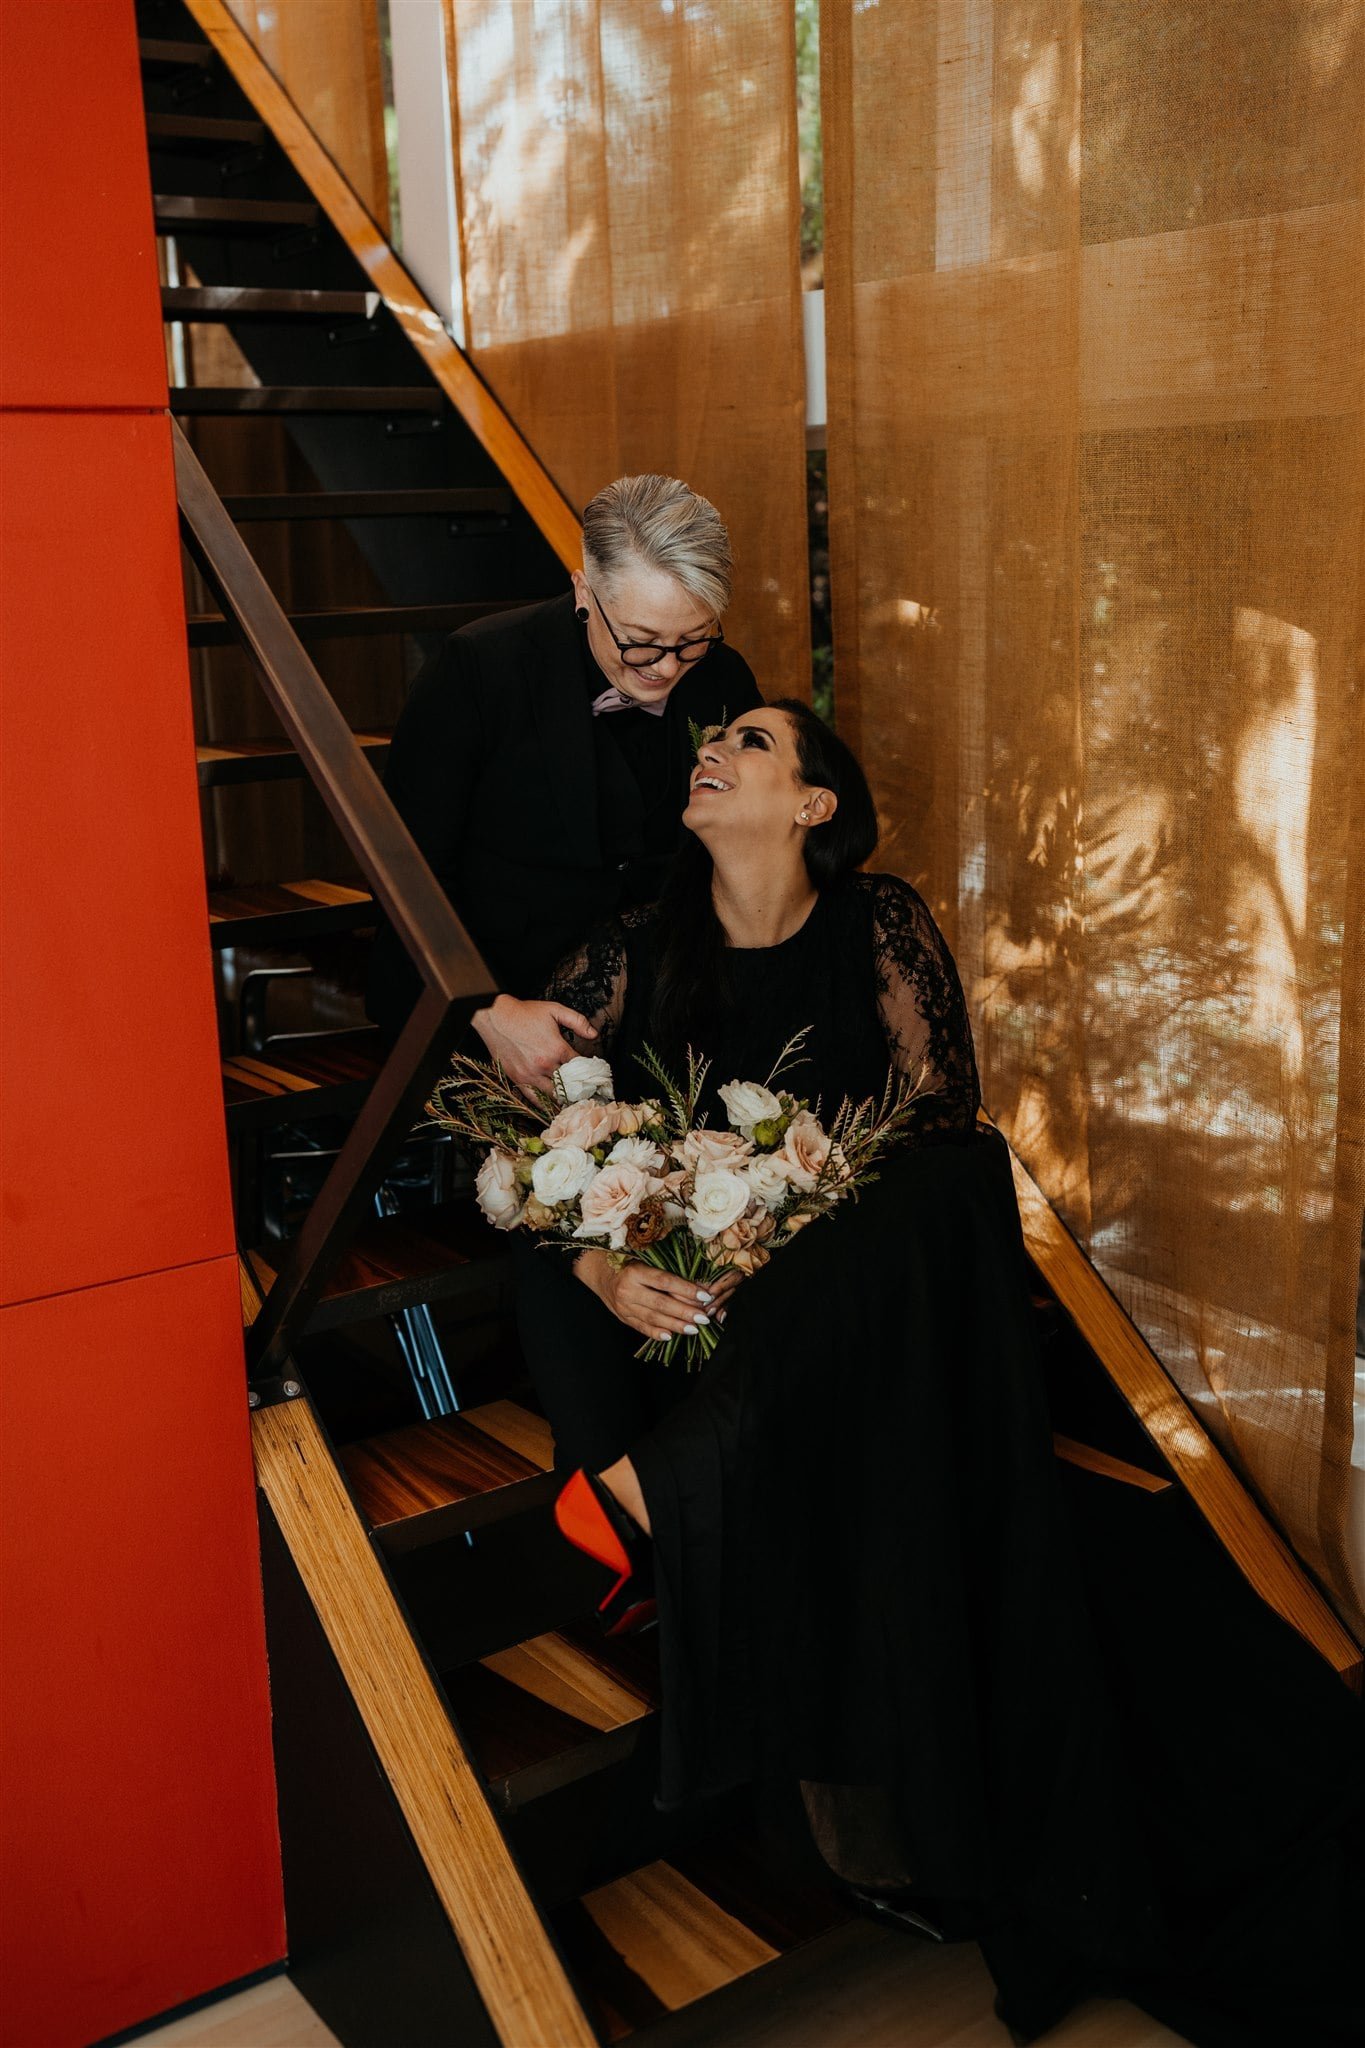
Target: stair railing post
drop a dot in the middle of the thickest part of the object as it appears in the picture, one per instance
(454, 977)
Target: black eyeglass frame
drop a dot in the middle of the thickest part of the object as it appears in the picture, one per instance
(625, 648)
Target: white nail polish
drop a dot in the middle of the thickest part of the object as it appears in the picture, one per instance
(702, 1295)
(703, 1320)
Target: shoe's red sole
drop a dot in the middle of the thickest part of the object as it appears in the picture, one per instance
(581, 1521)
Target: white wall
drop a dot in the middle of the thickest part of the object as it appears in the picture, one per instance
(426, 177)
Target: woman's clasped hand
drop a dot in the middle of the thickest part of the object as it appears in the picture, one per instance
(659, 1305)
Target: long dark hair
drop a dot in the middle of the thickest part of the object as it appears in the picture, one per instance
(691, 987)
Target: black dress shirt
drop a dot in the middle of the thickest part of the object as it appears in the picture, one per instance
(537, 818)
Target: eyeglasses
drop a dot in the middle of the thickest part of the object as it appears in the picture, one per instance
(639, 654)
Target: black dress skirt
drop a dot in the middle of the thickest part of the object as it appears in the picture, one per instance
(1134, 1776)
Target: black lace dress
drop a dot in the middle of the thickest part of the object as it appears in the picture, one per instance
(869, 977)
(873, 1588)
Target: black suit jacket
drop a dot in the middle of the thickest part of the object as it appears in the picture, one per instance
(494, 769)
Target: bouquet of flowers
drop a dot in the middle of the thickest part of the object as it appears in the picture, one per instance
(650, 1180)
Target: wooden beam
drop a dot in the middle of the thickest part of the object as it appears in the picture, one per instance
(513, 1962)
(414, 313)
(1245, 1532)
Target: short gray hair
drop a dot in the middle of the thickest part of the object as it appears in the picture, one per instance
(658, 522)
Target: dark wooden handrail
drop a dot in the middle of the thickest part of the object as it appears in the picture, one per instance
(454, 977)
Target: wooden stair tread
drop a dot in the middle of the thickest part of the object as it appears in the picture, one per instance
(430, 1466)
(320, 398)
(160, 53)
(252, 302)
(221, 761)
(1090, 1460)
(661, 1937)
(285, 1081)
(396, 1261)
(390, 504)
(552, 1709)
(211, 629)
(274, 913)
(208, 131)
(195, 213)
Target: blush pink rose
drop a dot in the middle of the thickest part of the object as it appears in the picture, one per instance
(803, 1151)
(582, 1123)
(611, 1200)
(705, 1151)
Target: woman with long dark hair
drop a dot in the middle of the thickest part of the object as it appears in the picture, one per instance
(869, 1592)
(765, 927)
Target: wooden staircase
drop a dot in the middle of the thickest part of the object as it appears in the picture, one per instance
(551, 1903)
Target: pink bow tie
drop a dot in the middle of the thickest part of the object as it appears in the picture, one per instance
(613, 699)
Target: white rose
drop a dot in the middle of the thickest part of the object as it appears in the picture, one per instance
(498, 1192)
(612, 1200)
(581, 1078)
(747, 1104)
(767, 1176)
(561, 1174)
(636, 1152)
(718, 1198)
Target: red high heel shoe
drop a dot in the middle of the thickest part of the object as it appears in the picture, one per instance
(590, 1517)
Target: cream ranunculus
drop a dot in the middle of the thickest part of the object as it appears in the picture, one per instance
(767, 1176)
(803, 1150)
(585, 1124)
(636, 1152)
(747, 1104)
(702, 1150)
(499, 1195)
(562, 1174)
(612, 1200)
(582, 1077)
(718, 1198)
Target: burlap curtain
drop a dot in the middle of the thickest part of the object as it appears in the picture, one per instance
(326, 55)
(629, 208)
(1097, 485)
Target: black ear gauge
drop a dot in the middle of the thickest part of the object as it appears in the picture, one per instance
(581, 614)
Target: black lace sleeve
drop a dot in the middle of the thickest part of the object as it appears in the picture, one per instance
(593, 981)
(923, 1010)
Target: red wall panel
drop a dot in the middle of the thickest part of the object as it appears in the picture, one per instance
(80, 313)
(111, 1125)
(140, 1855)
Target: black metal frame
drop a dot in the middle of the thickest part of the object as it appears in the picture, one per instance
(455, 979)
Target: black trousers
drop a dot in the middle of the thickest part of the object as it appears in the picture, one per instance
(600, 1398)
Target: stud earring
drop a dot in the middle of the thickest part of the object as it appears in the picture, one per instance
(805, 817)
(581, 614)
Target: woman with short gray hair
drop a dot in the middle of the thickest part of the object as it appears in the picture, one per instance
(656, 522)
(541, 761)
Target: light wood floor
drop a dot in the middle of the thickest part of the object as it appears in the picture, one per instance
(905, 1995)
(272, 2015)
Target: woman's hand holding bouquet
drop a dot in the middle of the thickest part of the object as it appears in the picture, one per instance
(676, 1210)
